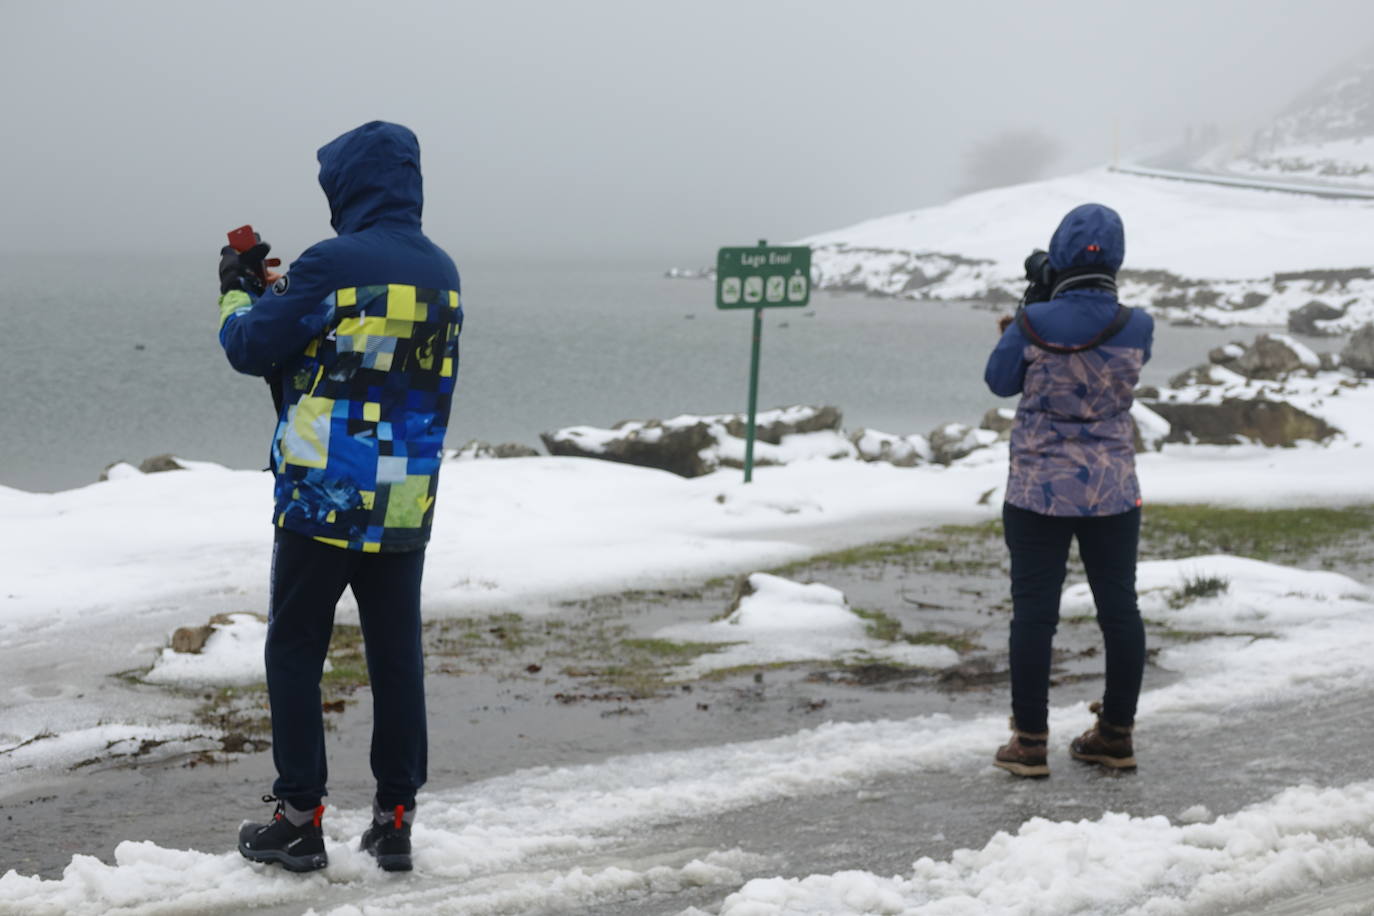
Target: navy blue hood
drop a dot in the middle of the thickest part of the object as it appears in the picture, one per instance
(371, 175)
(1089, 236)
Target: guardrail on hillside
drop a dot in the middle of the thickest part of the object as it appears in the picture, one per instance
(1256, 184)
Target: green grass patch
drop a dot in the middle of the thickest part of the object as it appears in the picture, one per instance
(1264, 534)
(863, 555)
(958, 643)
(1196, 587)
(675, 652)
(883, 626)
(879, 625)
(928, 551)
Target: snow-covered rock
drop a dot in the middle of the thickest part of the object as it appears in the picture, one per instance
(691, 446)
(1358, 353)
(1151, 430)
(902, 451)
(1274, 356)
(953, 441)
(477, 449)
(231, 654)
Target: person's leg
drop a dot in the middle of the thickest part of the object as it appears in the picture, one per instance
(1039, 546)
(1108, 546)
(387, 586)
(307, 579)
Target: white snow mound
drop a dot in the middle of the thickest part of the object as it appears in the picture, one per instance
(784, 621)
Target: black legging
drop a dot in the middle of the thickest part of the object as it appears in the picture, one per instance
(1039, 547)
(308, 578)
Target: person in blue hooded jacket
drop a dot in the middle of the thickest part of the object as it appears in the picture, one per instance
(360, 340)
(1074, 354)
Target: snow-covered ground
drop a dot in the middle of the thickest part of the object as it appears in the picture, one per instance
(1214, 254)
(496, 846)
(96, 578)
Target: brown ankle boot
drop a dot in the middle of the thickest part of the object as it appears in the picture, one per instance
(1105, 744)
(1024, 754)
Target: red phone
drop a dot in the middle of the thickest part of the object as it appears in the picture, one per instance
(242, 238)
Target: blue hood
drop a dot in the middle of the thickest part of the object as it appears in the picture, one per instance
(1089, 236)
(371, 175)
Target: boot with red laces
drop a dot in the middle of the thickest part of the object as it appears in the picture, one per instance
(387, 839)
(293, 838)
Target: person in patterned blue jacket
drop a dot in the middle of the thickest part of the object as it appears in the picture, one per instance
(1074, 354)
(360, 340)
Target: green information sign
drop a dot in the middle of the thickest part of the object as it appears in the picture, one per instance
(759, 278)
(762, 277)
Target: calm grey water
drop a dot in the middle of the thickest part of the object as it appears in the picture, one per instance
(111, 358)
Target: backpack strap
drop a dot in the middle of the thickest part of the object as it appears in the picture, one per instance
(1123, 315)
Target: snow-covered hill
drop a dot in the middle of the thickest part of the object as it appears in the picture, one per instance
(1194, 252)
(1213, 254)
(1326, 135)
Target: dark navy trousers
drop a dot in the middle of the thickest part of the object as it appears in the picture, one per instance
(308, 578)
(1039, 546)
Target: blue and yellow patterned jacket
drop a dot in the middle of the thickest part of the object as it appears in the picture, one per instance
(362, 332)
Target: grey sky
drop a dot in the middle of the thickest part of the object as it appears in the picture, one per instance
(623, 128)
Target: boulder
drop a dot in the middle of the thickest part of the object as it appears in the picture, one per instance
(478, 449)
(1198, 375)
(1235, 421)
(1358, 353)
(999, 420)
(953, 441)
(1273, 356)
(118, 470)
(122, 470)
(192, 639)
(1305, 320)
(1150, 430)
(902, 451)
(159, 463)
(771, 425)
(650, 444)
(691, 446)
(1226, 355)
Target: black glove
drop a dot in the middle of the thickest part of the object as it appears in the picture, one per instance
(244, 269)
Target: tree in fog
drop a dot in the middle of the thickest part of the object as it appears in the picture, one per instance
(1009, 157)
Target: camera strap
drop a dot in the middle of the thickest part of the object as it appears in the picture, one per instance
(1123, 315)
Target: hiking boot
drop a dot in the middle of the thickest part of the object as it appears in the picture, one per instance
(1024, 754)
(387, 838)
(1104, 744)
(293, 838)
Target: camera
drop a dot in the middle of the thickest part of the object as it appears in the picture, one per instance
(1039, 277)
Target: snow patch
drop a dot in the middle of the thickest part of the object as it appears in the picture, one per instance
(233, 656)
(1114, 864)
(786, 621)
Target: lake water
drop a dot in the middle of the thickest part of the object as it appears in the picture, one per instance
(115, 358)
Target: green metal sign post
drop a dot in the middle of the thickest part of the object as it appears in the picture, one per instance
(760, 278)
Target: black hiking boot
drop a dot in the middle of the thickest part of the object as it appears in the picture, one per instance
(1024, 754)
(387, 838)
(293, 838)
(1105, 744)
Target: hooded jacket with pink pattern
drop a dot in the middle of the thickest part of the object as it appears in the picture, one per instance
(1072, 448)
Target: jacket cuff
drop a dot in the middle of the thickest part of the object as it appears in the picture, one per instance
(234, 302)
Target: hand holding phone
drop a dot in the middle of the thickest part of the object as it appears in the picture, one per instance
(252, 252)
